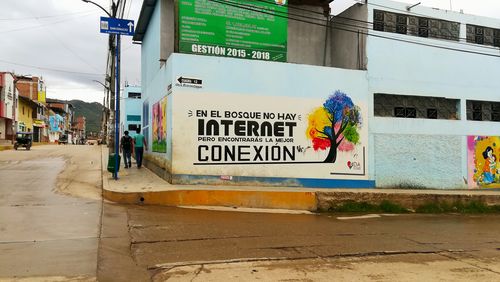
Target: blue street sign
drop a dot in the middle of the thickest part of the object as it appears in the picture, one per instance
(117, 26)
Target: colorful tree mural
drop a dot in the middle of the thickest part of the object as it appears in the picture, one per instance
(335, 125)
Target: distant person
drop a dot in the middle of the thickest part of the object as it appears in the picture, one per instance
(139, 146)
(126, 147)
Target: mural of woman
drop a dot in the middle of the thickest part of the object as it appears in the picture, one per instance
(489, 168)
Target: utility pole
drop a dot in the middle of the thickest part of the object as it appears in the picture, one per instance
(105, 112)
(115, 26)
(111, 88)
(14, 107)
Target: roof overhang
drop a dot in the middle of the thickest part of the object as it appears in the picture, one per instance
(28, 100)
(148, 7)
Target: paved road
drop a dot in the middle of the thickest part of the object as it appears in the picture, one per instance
(51, 229)
(185, 244)
(50, 213)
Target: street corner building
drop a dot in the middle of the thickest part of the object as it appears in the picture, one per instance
(280, 93)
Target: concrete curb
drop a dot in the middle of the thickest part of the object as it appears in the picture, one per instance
(11, 147)
(291, 199)
(224, 198)
(326, 200)
(6, 147)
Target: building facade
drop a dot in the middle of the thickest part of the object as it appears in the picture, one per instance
(25, 110)
(33, 88)
(377, 97)
(434, 101)
(80, 130)
(61, 120)
(131, 110)
(8, 100)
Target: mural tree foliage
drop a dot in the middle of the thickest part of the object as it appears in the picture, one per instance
(335, 125)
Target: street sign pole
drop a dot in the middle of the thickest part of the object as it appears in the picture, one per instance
(118, 27)
(117, 105)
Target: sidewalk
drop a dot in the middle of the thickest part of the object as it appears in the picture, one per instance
(142, 186)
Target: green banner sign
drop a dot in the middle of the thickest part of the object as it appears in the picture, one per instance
(247, 29)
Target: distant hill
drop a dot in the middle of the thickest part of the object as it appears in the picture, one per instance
(92, 113)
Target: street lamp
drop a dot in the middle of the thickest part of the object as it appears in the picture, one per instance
(105, 87)
(104, 116)
(105, 11)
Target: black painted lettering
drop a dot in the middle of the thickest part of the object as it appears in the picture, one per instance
(216, 153)
(258, 155)
(252, 128)
(239, 128)
(212, 127)
(243, 150)
(290, 126)
(279, 129)
(226, 125)
(200, 149)
(266, 129)
(290, 154)
(229, 153)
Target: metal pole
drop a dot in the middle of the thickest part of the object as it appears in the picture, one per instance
(14, 107)
(117, 105)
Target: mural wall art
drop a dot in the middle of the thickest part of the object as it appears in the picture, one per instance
(483, 166)
(160, 126)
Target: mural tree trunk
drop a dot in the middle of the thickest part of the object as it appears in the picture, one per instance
(332, 155)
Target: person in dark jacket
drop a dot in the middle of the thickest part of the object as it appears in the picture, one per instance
(126, 148)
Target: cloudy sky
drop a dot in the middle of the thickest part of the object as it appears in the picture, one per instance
(60, 41)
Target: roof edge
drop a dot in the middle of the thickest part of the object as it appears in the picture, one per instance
(147, 9)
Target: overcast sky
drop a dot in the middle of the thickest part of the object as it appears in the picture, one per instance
(60, 41)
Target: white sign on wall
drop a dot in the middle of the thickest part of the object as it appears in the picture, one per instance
(270, 136)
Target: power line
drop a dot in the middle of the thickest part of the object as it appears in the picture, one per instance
(237, 5)
(129, 7)
(54, 34)
(361, 21)
(42, 25)
(44, 17)
(52, 69)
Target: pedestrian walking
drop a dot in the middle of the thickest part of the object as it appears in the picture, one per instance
(139, 146)
(126, 148)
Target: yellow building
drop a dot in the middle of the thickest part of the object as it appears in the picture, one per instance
(25, 114)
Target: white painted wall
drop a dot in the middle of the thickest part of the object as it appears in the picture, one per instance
(404, 68)
(419, 152)
(257, 86)
(156, 73)
(10, 95)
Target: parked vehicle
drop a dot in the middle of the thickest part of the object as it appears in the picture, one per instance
(63, 139)
(23, 139)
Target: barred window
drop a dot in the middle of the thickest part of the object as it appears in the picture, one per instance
(416, 26)
(483, 110)
(133, 127)
(135, 95)
(483, 35)
(406, 106)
